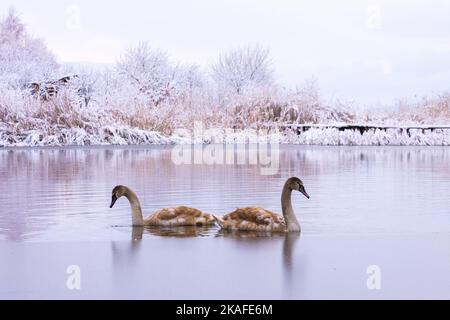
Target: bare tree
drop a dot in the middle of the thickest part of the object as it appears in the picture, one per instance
(189, 81)
(22, 58)
(149, 70)
(243, 68)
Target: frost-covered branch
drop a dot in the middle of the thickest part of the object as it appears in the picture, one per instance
(244, 68)
(23, 59)
(145, 97)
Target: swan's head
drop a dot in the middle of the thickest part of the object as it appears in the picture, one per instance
(296, 184)
(117, 192)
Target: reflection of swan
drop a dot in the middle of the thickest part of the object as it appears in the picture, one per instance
(136, 233)
(123, 250)
(246, 234)
(180, 231)
(258, 237)
(288, 247)
(259, 219)
(178, 216)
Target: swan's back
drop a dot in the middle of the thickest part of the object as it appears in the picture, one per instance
(253, 219)
(180, 216)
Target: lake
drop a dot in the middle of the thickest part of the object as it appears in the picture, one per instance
(380, 212)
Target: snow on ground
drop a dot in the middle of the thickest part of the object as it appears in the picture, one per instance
(79, 137)
(146, 96)
(377, 137)
(122, 135)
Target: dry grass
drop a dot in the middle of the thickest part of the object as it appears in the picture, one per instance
(22, 116)
(432, 110)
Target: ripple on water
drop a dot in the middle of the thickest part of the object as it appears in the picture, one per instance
(64, 194)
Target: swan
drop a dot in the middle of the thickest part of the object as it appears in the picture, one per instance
(260, 219)
(177, 216)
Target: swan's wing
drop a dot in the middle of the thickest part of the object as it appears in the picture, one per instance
(180, 216)
(164, 214)
(252, 218)
(188, 212)
(252, 214)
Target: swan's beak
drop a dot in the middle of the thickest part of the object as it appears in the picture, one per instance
(303, 191)
(113, 200)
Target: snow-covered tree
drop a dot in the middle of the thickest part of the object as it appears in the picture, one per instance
(23, 59)
(84, 85)
(189, 83)
(148, 70)
(243, 68)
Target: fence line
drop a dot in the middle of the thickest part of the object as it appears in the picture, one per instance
(299, 128)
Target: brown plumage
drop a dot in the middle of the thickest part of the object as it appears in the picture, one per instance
(177, 216)
(263, 220)
(253, 219)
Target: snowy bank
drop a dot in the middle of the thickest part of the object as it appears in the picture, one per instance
(80, 137)
(372, 137)
(123, 135)
(145, 96)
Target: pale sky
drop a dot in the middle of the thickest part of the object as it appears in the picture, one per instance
(372, 52)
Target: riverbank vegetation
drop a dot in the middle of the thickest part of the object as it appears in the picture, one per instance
(145, 97)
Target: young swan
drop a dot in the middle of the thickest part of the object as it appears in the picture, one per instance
(259, 219)
(178, 216)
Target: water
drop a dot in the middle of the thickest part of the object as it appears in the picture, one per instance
(384, 206)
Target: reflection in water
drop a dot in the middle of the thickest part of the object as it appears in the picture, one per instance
(180, 261)
(287, 249)
(136, 233)
(123, 252)
(227, 267)
(181, 231)
(63, 194)
(241, 234)
(387, 201)
(290, 270)
(288, 246)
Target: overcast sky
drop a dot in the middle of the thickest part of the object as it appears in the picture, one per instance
(372, 52)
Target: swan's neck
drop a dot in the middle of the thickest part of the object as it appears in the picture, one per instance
(288, 212)
(136, 211)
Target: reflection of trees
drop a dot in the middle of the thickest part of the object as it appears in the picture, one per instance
(44, 188)
(70, 164)
(40, 184)
(305, 160)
